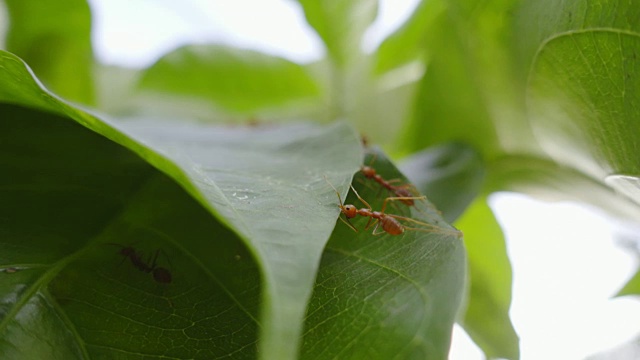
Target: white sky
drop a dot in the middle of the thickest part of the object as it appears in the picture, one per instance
(566, 267)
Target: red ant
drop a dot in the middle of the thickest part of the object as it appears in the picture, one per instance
(404, 195)
(390, 223)
(401, 191)
(160, 274)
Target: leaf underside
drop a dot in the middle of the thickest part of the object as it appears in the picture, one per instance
(72, 200)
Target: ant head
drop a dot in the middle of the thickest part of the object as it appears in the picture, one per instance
(368, 171)
(349, 211)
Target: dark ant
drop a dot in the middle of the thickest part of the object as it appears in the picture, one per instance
(390, 223)
(160, 274)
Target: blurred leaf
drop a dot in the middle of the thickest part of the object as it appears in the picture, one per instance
(487, 317)
(582, 85)
(54, 38)
(632, 287)
(216, 77)
(382, 104)
(551, 181)
(451, 175)
(115, 89)
(447, 91)
(408, 43)
(340, 24)
(263, 183)
(628, 351)
(385, 297)
(469, 92)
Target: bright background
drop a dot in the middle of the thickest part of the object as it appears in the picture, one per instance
(565, 262)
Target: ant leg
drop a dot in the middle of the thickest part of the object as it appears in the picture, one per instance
(409, 190)
(456, 233)
(369, 223)
(404, 218)
(361, 199)
(426, 227)
(384, 204)
(155, 258)
(365, 183)
(348, 223)
(374, 233)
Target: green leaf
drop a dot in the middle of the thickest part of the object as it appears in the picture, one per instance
(550, 181)
(71, 199)
(340, 24)
(54, 38)
(447, 91)
(266, 184)
(632, 287)
(408, 43)
(487, 317)
(451, 175)
(386, 296)
(582, 87)
(202, 79)
(470, 92)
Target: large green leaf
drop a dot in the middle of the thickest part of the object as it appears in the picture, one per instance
(266, 184)
(386, 296)
(582, 85)
(487, 315)
(550, 181)
(54, 37)
(204, 79)
(92, 189)
(340, 24)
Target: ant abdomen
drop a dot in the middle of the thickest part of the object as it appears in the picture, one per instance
(391, 225)
(162, 275)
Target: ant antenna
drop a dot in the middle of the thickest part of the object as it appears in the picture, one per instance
(360, 198)
(341, 205)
